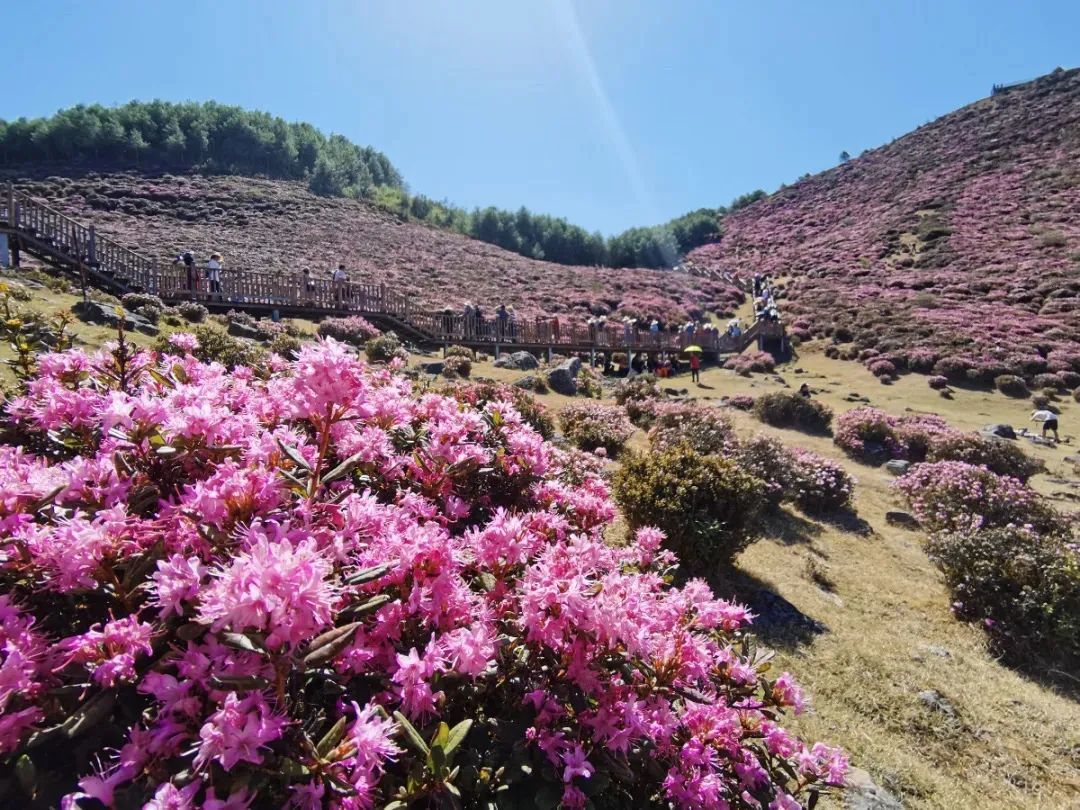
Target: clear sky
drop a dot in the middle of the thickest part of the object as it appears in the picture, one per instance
(611, 113)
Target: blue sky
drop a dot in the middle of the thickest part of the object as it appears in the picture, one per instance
(611, 113)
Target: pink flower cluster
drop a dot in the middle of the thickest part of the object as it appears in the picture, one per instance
(591, 425)
(225, 584)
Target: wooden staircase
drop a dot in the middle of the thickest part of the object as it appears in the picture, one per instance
(95, 260)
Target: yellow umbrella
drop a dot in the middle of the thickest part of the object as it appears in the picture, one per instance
(693, 349)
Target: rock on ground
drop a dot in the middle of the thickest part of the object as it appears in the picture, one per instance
(863, 793)
(898, 466)
(563, 378)
(523, 361)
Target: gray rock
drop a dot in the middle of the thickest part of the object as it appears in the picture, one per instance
(573, 364)
(938, 650)
(523, 361)
(863, 793)
(933, 700)
(1074, 460)
(563, 378)
(901, 519)
(676, 392)
(1002, 431)
(898, 466)
(111, 315)
(528, 382)
(433, 368)
(237, 329)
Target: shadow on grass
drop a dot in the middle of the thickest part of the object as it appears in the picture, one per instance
(788, 528)
(777, 622)
(847, 521)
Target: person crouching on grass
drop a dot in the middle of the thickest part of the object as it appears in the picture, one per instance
(1049, 422)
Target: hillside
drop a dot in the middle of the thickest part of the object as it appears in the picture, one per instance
(279, 225)
(960, 239)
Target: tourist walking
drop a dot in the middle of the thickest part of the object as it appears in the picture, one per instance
(1049, 421)
(339, 278)
(695, 367)
(187, 258)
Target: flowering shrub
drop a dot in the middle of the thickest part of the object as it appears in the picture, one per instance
(1053, 381)
(479, 394)
(869, 433)
(1023, 586)
(814, 483)
(751, 361)
(353, 329)
(215, 345)
(707, 505)
(639, 395)
(461, 351)
(590, 425)
(703, 428)
(789, 409)
(192, 312)
(456, 365)
(740, 402)
(938, 383)
(951, 496)
(316, 589)
(997, 455)
(1011, 385)
(385, 348)
(882, 368)
(148, 306)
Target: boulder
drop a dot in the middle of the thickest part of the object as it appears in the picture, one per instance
(433, 368)
(898, 466)
(523, 361)
(563, 378)
(242, 330)
(901, 519)
(1001, 431)
(528, 382)
(111, 315)
(863, 793)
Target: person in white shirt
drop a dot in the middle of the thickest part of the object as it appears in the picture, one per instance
(1049, 422)
(213, 275)
(339, 277)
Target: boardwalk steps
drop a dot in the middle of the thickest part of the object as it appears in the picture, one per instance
(95, 260)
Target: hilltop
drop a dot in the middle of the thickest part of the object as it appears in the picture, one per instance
(954, 249)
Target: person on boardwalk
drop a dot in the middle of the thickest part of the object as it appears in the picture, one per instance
(213, 275)
(502, 318)
(1049, 422)
(187, 258)
(340, 279)
(695, 367)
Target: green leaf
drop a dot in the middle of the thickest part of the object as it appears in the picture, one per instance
(331, 739)
(342, 469)
(329, 644)
(242, 641)
(442, 735)
(396, 804)
(26, 773)
(89, 714)
(238, 683)
(412, 736)
(294, 455)
(45, 500)
(367, 574)
(457, 736)
(356, 611)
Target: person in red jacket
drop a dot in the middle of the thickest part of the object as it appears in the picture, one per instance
(695, 367)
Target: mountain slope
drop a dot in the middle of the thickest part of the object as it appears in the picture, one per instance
(278, 225)
(960, 240)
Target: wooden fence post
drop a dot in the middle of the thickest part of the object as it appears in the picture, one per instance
(91, 248)
(13, 215)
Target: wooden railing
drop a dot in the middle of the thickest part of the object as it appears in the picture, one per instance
(77, 247)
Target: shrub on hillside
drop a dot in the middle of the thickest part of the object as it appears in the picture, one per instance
(461, 351)
(938, 383)
(1052, 381)
(751, 361)
(997, 455)
(455, 365)
(385, 348)
(192, 312)
(882, 369)
(132, 301)
(1022, 585)
(789, 409)
(951, 496)
(354, 330)
(707, 505)
(814, 483)
(590, 425)
(215, 345)
(740, 402)
(702, 427)
(318, 589)
(479, 394)
(285, 344)
(639, 395)
(868, 433)
(1011, 385)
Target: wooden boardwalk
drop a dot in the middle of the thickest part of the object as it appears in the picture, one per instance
(64, 243)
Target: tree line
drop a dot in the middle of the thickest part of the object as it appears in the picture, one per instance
(214, 137)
